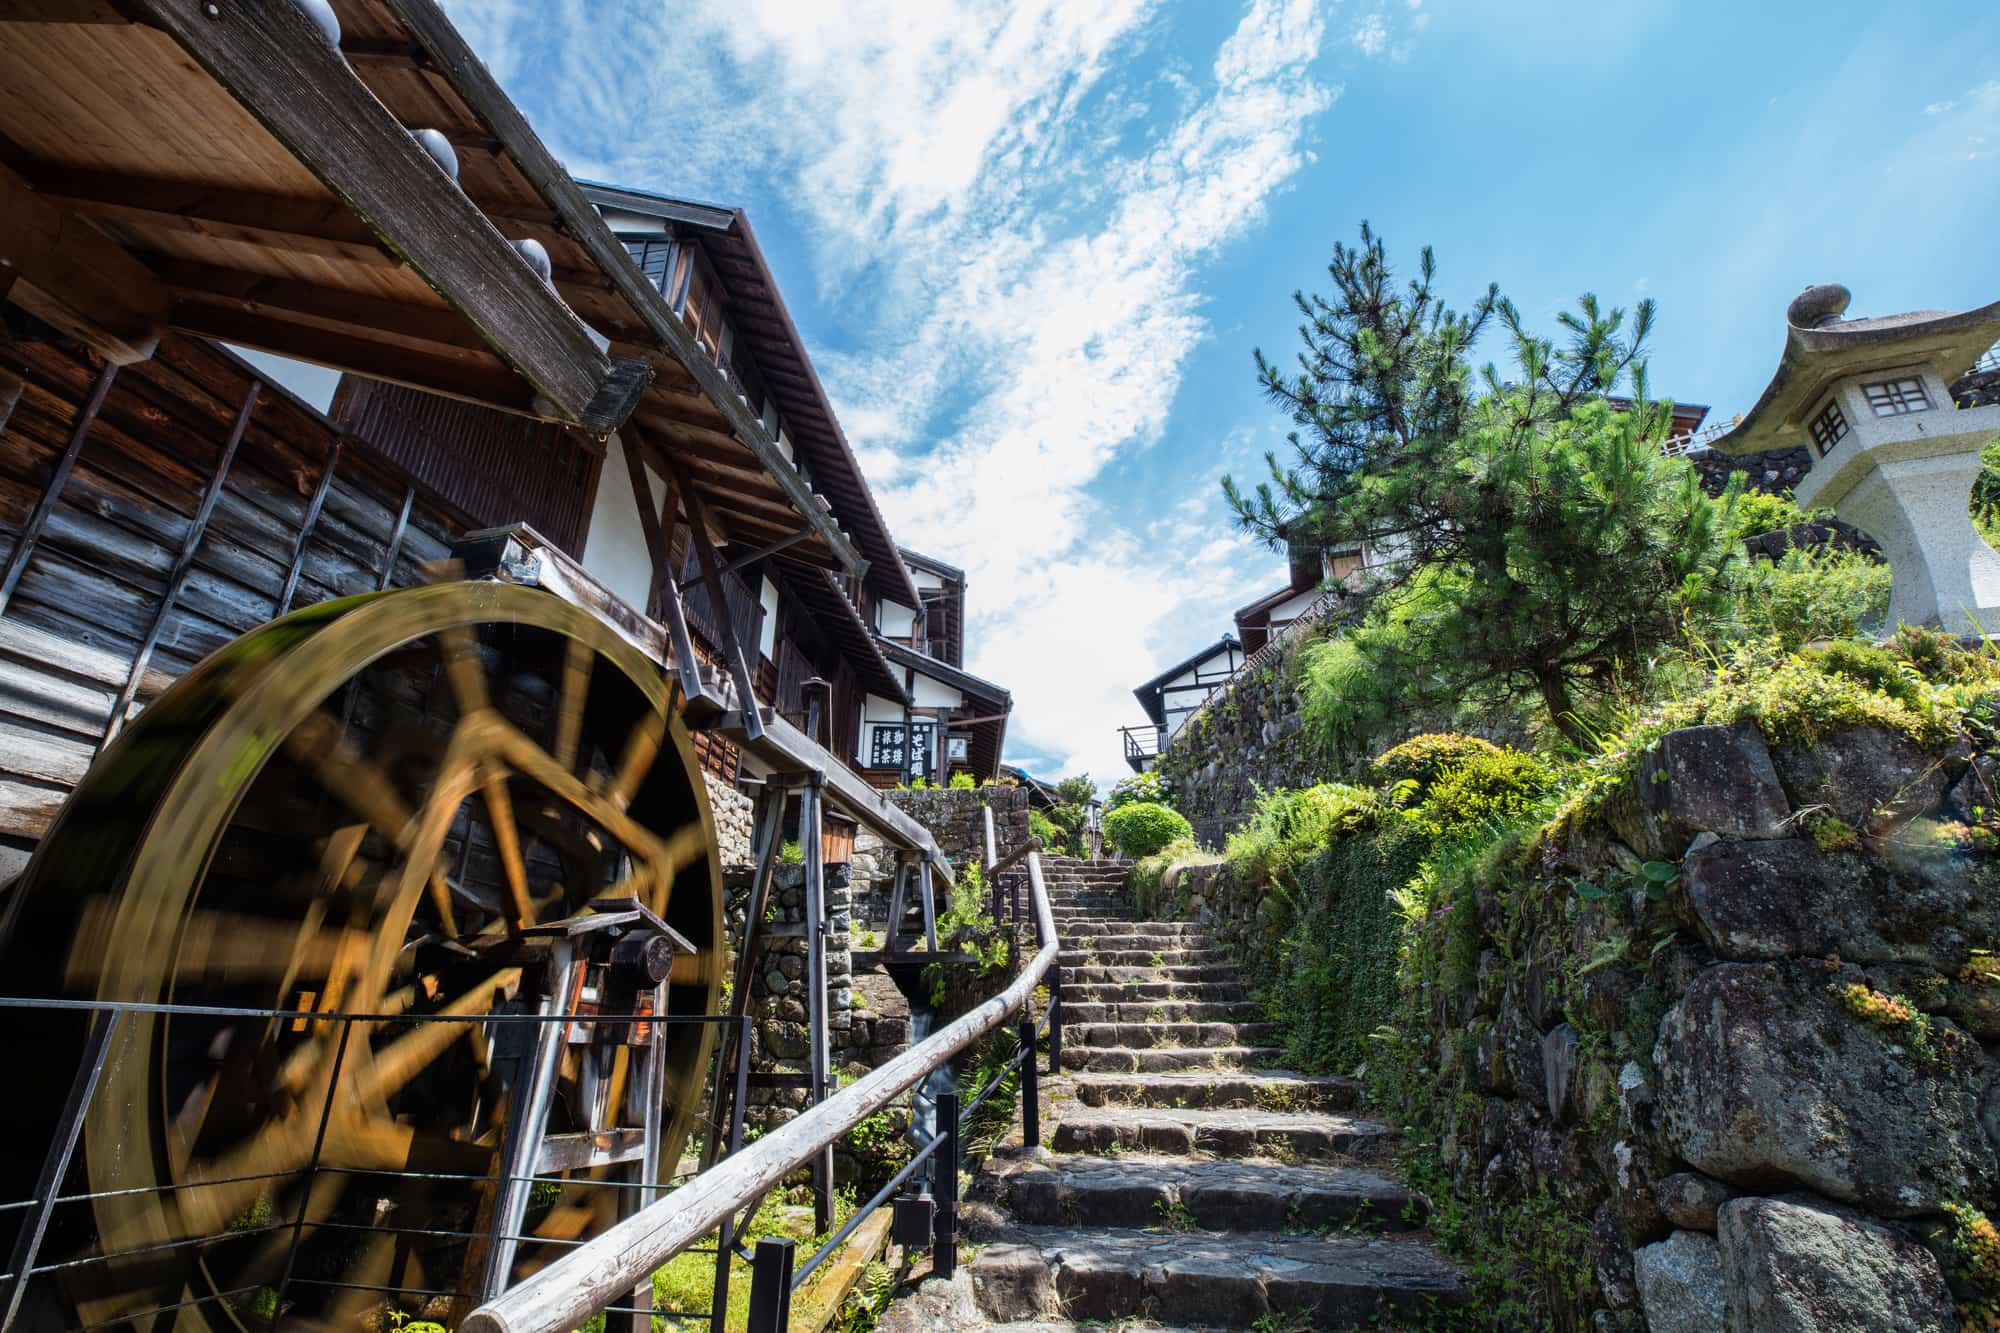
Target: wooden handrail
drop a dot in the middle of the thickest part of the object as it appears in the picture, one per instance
(573, 1288)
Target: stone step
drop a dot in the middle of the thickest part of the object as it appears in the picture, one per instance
(1117, 930)
(1126, 992)
(1141, 955)
(1247, 1195)
(1092, 975)
(1159, 1011)
(1144, 1035)
(1165, 1059)
(1161, 1129)
(1228, 1281)
(1266, 1089)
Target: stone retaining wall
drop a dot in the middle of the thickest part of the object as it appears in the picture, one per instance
(1250, 735)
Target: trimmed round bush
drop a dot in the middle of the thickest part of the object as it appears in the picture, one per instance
(1485, 789)
(1144, 827)
(1423, 759)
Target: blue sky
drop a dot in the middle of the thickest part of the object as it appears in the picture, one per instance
(1031, 246)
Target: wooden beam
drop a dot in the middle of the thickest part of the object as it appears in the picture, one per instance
(388, 571)
(275, 60)
(10, 390)
(61, 11)
(183, 563)
(308, 524)
(333, 307)
(454, 60)
(31, 531)
(73, 276)
(686, 665)
(711, 578)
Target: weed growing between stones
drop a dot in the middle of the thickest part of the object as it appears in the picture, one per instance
(1974, 1243)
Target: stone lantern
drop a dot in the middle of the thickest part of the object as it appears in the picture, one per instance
(1870, 400)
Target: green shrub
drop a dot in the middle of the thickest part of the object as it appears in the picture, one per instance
(1807, 595)
(1759, 512)
(1144, 827)
(1147, 786)
(1149, 875)
(1874, 667)
(1483, 790)
(1078, 790)
(1422, 759)
(1045, 830)
(1290, 827)
(963, 782)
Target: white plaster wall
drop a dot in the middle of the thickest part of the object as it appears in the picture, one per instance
(313, 383)
(615, 551)
(634, 224)
(934, 694)
(877, 709)
(1292, 607)
(767, 638)
(894, 619)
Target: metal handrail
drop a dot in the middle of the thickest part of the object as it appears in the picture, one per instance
(587, 1279)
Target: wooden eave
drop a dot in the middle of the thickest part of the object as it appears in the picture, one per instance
(209, 210)
(224, 171)
(820, 594)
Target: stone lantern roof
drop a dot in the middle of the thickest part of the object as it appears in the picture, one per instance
(1821, 347)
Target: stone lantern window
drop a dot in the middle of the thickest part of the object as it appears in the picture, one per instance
(1891, 453)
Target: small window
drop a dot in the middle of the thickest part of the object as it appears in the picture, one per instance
(1896, 398)
(1828, 428)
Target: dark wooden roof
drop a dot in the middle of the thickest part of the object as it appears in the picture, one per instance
(757, 311)
(835, 615)
(1148, 694)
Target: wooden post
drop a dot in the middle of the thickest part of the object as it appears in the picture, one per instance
(388, 573)
(184, 562)
(10, 393)
(711, 577)
(944, 1233)
(1031, 1084)
(309, 524)
(929, 903)
(810, 835)
(31, 531)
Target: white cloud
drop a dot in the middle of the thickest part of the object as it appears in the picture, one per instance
(1372, 37)
(1011, 227)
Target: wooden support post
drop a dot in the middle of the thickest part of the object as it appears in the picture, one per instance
(944, 1227)
(929, 903)
(10, 393)
(898, 903)
(184, 562)
(31, 531)
(663, 590)
(711, 577)
(1031, 1084)
(766, 836)
(388, 572)
(308, 524)
(811, 843)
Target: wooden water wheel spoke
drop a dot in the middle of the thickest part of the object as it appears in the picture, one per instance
(577, 663)
(333, 838)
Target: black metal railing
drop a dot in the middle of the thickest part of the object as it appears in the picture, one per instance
(576, 1286)
(1142, 743)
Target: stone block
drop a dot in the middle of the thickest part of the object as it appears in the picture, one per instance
(1762, 1075)
(1689, 1199)
(1787, 898)
(1799, 1265)
(1680, 1283)
(1717, 779)
(1869, 776)
(1013, 1282)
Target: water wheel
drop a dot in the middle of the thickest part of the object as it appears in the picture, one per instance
(362, 808)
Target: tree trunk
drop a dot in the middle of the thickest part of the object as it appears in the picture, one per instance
(1556, 698)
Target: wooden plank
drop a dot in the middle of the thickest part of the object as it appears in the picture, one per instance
(387, 572)
(10, 393)
(27, 810)
(711, 577)
(454, 59)
(275, 61)
(24, 544)
(309, 303)
(73, 276)
(60, 11)
(313, 509)
(184, 562)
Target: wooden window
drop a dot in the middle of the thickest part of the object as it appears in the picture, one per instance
(1898, 397)
(1342, 563)
(656, 257)
(1828, 428)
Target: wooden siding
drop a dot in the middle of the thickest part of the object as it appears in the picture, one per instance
(96, 579)
(496, 467)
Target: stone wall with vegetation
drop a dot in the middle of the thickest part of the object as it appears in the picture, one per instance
(1250, 735)
(956, 818)
(1699, 1031)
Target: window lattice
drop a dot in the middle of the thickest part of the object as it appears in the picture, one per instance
(1899, 397)
(1828, 428)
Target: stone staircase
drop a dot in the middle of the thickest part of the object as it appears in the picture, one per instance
(1185, 1181)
